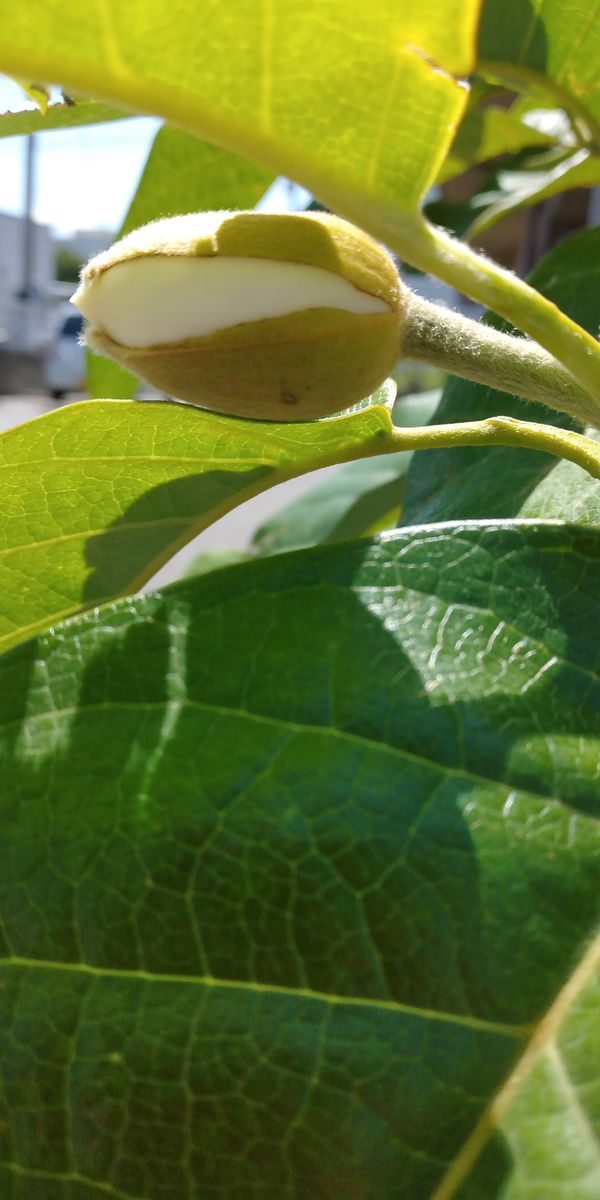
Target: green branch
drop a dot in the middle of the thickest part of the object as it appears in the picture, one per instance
(385, 438)
(500, 431)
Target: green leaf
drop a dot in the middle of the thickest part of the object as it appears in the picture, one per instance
(38, 92)
(214, 560)
(351, 502)
(521, 188)
(288, 87)
(268, 841)
(555, 42)
(548, 1111)
(562, 1154)
(357, 499)
(182, 174)
(485, 133)
(96, 496)
(59, 116)
(566, 493)
(485, 482)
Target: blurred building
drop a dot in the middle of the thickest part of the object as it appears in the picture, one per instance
(85, 243)
(26, 297)
(29, 290)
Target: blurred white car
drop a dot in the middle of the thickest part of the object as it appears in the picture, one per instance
(64, 360)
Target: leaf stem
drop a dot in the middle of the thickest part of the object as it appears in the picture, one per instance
(500, 431)
(475, 351)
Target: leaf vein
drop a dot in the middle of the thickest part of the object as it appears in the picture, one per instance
(305, 727)
(518, 1032)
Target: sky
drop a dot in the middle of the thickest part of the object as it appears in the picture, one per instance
(85, 177)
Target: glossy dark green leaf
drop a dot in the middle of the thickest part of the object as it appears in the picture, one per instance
(449, 484)
(296, 857)
(182, 174)
(566, 493)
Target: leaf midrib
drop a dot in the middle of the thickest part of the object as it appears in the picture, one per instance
(105, 1189)
(303, 727)
(388, 589)
(105, 531)
(518, 1032)
(544, 1034)
(77, 460)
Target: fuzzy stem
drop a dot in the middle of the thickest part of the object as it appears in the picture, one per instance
(433, 250)
(516, 300)
(474, 351)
